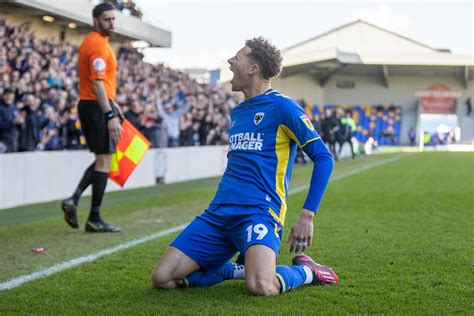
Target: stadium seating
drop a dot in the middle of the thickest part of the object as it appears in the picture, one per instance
(380, 122)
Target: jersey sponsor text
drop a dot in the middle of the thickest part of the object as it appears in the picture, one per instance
(246, 141)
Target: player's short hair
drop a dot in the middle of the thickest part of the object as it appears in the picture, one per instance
(101, 8)
(266, 55)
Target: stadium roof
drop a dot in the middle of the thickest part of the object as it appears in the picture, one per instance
(361, 48)
(127, 28)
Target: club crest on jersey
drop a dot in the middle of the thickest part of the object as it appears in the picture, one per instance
(258, 118)
(308, 123)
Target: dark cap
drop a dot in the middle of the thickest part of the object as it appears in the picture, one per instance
(101, 8)
(8, 90)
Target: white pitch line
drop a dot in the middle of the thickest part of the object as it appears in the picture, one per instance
(15, 282)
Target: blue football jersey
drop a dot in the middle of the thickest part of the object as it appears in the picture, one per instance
(264, 134)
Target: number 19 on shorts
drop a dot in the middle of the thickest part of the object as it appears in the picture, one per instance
(257, 231)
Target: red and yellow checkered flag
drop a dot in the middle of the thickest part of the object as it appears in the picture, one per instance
(131, 148)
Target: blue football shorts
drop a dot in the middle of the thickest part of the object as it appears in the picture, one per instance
(215, 236)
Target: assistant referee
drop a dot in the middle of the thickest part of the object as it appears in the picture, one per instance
(98, 116)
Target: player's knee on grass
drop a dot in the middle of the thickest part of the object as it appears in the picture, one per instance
(263, 286)
(174, 266)
(161, 279)
(260, 264)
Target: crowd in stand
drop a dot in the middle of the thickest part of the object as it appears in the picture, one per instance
(127, 6)
(39, 94)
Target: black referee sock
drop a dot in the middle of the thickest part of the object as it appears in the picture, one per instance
(99, 182)
(84, 183)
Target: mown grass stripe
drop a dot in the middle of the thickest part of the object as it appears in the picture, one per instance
(352, 172)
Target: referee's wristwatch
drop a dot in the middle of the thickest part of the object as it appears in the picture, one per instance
(109, 115)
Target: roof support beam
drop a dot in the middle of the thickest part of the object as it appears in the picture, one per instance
(289, 72)
(465, 77)
(385, 75)
(325, 79)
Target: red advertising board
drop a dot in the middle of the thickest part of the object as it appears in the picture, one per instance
(439, 99)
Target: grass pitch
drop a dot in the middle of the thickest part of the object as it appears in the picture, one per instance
(398, 235)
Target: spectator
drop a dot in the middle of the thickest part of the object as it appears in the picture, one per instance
(152, 126)
(127, 7)
(49, 134)
(468, 106)
(10, 118)
(426, 139)
(412, 135)
(29, 131)
(371, 146)
(196, 129)
(390, 134)
(332, 128)
(348, 127)
(171, 121)
(71, 129)
(315, 119)
(186, 127)
(134, 115)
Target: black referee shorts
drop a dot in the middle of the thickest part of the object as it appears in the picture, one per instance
(95, 128)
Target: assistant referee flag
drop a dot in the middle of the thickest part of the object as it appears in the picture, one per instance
(131, 148)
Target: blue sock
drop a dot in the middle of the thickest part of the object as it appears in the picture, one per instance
(208, 277)
(290, 277)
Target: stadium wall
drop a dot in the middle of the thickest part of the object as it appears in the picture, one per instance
(190, 163)
(27, 178)
(370, 90)
(300, 86)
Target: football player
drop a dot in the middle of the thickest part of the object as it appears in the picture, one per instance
(248, 211)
